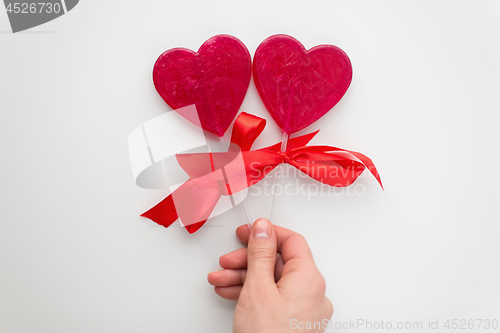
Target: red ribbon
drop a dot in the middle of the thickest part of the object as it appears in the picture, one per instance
(213, 175)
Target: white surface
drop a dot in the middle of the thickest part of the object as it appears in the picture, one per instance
(162, 141)
(76, 257)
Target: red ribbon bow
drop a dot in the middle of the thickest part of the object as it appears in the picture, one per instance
(213, 175)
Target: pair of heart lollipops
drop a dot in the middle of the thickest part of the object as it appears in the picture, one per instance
(297, 86)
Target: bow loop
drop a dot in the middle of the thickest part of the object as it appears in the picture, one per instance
(246, 129)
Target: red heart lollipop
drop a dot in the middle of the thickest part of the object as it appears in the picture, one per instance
(299, 86)
(215, 79)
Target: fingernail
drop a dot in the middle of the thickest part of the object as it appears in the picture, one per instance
(262, 229)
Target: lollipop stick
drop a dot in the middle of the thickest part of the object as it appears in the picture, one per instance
(279, 172)
(237, 195)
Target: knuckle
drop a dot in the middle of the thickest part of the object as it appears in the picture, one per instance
(262, 253)
(328, 307)
(302, 238)
(298, 238)
(319, 284)
(322, 282)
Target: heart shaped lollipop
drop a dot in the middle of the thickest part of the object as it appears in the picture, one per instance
(215, 79)
(299, 86)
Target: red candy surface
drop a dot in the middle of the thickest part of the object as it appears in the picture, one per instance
(299, 86)
(215, 79)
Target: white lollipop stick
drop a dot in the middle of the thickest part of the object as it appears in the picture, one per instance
(279, 171)
(225, 147)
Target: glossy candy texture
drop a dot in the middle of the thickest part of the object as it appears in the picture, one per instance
(299, 86)
(215, 79)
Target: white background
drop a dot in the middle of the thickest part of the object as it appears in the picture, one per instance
(76, 257)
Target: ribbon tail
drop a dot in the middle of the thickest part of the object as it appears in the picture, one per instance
(192, 228)
(163, 213)
(369, 164)
(193, 202)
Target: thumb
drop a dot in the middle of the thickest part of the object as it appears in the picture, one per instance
(262, 247)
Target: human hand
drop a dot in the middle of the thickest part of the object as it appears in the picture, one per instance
(274, 280)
